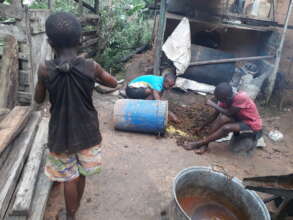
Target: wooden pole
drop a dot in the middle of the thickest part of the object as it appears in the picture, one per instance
(51, 4)
(86, 5)
(160, 37)
(273, 76)
(17, 4)
(9, 73)
(97, 6)
(80, 7)
(231, 60)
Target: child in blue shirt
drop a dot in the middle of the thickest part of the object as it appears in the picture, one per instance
(151, 87)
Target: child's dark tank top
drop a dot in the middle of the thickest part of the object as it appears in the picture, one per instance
(74, 122)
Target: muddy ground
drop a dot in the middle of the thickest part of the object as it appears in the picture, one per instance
(138, 169)
(193, 119)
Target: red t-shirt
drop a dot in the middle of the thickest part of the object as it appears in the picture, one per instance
(248, 111)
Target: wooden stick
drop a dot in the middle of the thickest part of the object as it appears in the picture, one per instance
(11, 170)
(86, 5)
(41, 195)
(231, 60)
(89, 42)
(9, 73)
(12, 125)
(10, 11)
(24, 195)
(80, 7)
(160, 37)
(97, 6)
(51, 4)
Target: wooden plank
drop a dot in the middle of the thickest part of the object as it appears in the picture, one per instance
(86, 5)
(16, 4)
(24, 195)
(11, 169)
(160, 37)
(11, 12)
(80, 7)
(5, 153)
(3, 112)
(89, 43)
(97, 6)
(24, 97)
(51, 4)
(89, 37)
(23, 56)
(13, 30)
(24, 78)
(89, 19)
(9, 73)
(15, 218)
(42, 191)
(12, 125)
(87, 33)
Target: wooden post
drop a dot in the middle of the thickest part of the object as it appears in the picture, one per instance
(17, 4)
(31, 69)
(51, 4)
(273, 76)
(97, 6)
(80, 7)
(160, 37)
(9, 73)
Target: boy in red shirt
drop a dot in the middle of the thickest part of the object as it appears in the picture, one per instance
(238, 114)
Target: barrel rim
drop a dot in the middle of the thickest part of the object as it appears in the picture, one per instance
(211, 170)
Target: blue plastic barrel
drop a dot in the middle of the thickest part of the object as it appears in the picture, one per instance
(147, 116)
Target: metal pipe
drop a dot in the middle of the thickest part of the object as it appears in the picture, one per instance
(231, 60)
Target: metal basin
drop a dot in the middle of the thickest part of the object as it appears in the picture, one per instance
(202, 193)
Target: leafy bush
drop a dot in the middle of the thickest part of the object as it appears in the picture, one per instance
(123, 27)
(59, 5)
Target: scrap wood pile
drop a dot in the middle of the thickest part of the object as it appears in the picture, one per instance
(24, 188)
(192, 117)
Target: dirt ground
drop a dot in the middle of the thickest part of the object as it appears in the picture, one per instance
(138, 169)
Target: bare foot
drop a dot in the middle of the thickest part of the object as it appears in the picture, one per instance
(202, 150)
(192, 145)
(63, 216)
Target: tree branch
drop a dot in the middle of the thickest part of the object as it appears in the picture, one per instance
(86, 5)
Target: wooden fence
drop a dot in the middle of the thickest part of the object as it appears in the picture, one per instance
(27, 27)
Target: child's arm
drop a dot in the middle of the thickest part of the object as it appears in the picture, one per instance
(40, 90)
(104, 77)
(228, 112)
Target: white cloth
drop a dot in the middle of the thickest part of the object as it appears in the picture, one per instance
(177, 46)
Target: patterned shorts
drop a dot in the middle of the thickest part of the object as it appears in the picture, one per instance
(66, 167)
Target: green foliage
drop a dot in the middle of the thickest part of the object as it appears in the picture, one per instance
(124, 27)
(59, 5)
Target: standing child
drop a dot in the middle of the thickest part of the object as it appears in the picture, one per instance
(74, 136)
